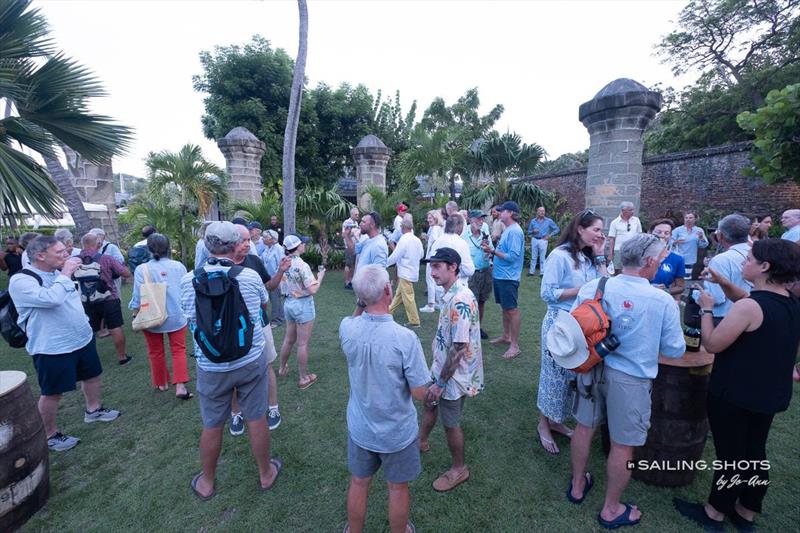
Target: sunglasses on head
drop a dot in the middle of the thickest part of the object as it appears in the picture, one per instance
(587, 214)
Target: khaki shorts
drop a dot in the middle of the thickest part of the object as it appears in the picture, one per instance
(269, 345)
(605, 394)
(480, 283)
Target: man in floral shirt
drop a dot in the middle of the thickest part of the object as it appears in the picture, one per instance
(457, 368)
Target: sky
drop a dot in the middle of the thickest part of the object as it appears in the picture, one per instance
(540, 59)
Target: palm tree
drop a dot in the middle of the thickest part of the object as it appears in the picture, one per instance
(321, 210)
(47, 99)
(292, 120)
(195, 182)
(160, 210)
(262, 211)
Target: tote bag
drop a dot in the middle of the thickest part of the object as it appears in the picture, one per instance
(152, 303)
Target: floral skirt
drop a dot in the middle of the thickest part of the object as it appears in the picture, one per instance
(555, 396)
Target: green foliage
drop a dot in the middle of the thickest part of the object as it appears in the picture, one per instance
(319, 213)
(161, 210)
(262, 211)
(776, 126)
(564, 162)
(506, 155)
(51, 94)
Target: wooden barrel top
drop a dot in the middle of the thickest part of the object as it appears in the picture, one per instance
(10, 380)
(689, 359)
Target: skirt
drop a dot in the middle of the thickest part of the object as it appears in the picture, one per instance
(556, 394)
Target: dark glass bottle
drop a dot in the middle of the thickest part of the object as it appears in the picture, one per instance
(692, 338)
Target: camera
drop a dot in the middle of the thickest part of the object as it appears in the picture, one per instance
(607, 345)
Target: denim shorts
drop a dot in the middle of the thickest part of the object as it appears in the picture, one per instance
(398, 467)
(300, 310)
(505, 293)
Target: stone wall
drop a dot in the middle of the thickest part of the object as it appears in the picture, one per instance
(709, 178)
(95, 185)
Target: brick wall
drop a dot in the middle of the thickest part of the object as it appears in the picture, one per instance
(710, 178)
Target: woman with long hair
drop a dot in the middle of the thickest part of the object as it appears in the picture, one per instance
(576, 260)
(435, 230)
(161, 269)
(751, 380)
(299, 285)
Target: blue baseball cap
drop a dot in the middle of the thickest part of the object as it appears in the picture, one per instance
(508, 206)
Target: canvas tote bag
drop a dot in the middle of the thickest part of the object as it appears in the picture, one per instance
(152, 303)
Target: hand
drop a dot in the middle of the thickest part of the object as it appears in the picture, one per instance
(70, 266)
(599, 246)
(706, 300)
(713, 276)
(432, 395)
(285, 264)
(347, 231)
(486, 248)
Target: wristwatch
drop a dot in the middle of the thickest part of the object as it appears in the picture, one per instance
(706, 312)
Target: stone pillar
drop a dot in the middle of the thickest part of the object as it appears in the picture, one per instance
(371, 157)
(616, 118)
(95, 185)
(243, 153)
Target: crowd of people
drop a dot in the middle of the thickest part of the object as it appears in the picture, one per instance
(247, 281)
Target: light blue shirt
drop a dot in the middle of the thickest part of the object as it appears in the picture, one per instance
(52, 314)
(693, 241)
(793, 234)
(646, 321)
(479, 257)
(166, 271)
(560, 273)
(259, 247)
(546, 228)
(512, 244)
(112, 250)
(372, 251)
(254, 294)
(729, 264)
(384, 362)
(468, 230)
(201, 254)
(271, 257)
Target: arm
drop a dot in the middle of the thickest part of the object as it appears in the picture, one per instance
(467, 266)
(3, 265)
(672, 342)
(26, 292)
(611, 248)
(119, 268)
(515, 249)
(416, 370)
(454, 356)
(397, 254)
(731, 291)
(551, 291)
(555, 228)
(138, 277)
(275, 281)
(744, 314)
(530, 227)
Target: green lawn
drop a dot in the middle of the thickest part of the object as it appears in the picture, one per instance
(133, 474)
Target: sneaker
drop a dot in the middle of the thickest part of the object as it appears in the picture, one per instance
(427, 309)
(101, 414)
(348, 286)
(61, 443)
(126, 360)
(237, 424)
(409, 325)
(274, 419)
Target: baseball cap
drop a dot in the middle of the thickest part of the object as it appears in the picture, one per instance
(508, 206)
(476, 213)
(444, 255)
(272, 233)
(254, 225)
(402, 208)
(224, 232)
(240, 221)
(293, 241)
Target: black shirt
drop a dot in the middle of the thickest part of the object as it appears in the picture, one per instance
(14, 262)
(254, 262)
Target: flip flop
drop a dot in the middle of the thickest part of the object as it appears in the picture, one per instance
(543, 440)
(186, 396)
(279, 467)
(195, 479)
(303, 385)
(509, 355)
(622, 520)
(586, 489)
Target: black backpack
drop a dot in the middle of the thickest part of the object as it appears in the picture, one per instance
(14, 335)
(223, 330)
(138, 255)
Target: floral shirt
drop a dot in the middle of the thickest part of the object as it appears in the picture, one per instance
(297, 278)
(458, 322)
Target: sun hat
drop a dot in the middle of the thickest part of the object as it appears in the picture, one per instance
(272, 234)
(566, 342)
(508, 206)
(293, 241)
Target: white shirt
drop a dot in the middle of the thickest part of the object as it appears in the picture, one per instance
(451, 240)
(406, 256)
(619, 230)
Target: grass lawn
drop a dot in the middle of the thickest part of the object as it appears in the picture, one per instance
(133, 474)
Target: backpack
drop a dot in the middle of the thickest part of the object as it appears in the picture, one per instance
(222, 329)
(15, 336)
(114, 275)
(91, 285)
(596, 327)
(138, 255)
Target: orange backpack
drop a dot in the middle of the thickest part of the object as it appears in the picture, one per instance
(595, 325)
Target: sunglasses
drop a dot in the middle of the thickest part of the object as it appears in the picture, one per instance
(653, 239)
(588, 213)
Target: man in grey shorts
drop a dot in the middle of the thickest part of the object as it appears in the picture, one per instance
(387, 369)
(247, 375)
(646, 321)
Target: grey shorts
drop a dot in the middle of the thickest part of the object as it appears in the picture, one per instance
(450, 412)
(619, 398)
(480, 283)
(349, 258)
(398, 467)
(215, 390)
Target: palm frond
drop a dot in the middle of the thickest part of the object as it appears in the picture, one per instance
(25, 186)
(28, 134)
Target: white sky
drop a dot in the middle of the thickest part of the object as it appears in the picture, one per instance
(539, 59)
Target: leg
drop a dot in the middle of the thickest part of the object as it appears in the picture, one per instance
(756, 451)
(579, 456)
(513, 328)
(729, 430)
(210, 446)
(303, 336)
(455, 442)
(286, 347)
(542, 255)
(159, 375)
(399, 506)
(534, 250)
(357, 503)
(406, 290)
(481, 305)
(431, 285)
(396, 299)
(273, 386)
(618, 478)
(259, 445)
(180, 371)
(118, 337)
(48, 407)
(429, 413)
(91, 393)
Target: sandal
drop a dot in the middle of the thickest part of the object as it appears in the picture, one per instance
(586, 489)
(278, 468)
(185, 396)
(310, 380)
(447, 481)
(545, 442)
(622, 520)
(509, 355)
(195, 479)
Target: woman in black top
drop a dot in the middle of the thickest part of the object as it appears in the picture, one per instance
(756, 344)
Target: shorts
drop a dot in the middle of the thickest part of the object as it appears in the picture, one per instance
(349, 258)
(215, 390)
(269, 345)
(109, 310)
(618, 260)
(481, 284)
(398, 467)
(58, 373)
(450, 412)
(505, 293)
(300, 310)
(619, 398)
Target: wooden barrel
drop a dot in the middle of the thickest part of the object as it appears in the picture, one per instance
(678, 420)
(24, 462)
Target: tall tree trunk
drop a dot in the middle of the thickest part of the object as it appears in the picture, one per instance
(292, 120)
(452, 185)
(72, 199)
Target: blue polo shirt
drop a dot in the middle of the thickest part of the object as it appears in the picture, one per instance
(512, 244)
(671, 268)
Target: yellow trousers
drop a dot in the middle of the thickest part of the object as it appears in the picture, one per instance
(405, 295)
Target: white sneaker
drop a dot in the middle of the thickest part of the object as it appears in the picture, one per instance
(427, 309)
(101, 414)
(61, 443)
